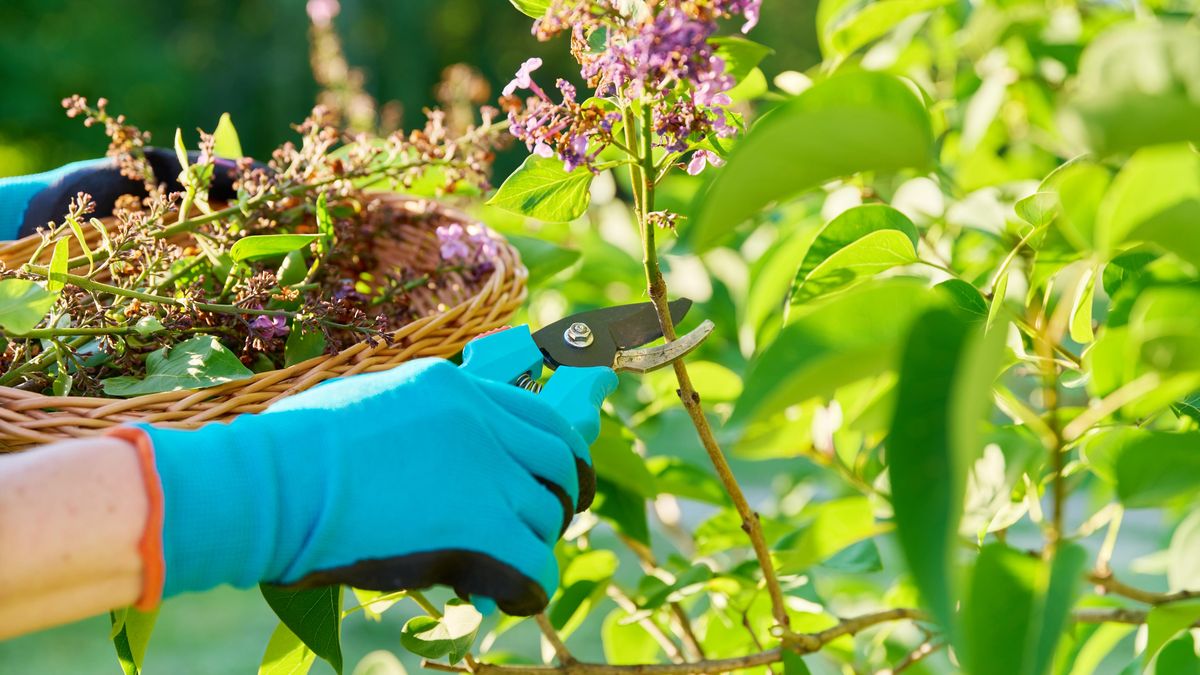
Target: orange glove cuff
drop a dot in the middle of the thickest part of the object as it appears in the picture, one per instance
(150, 546)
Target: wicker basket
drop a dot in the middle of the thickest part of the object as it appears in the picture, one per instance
(449, 317)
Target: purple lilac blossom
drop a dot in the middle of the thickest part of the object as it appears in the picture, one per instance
(471, 244)
(663, 59)
(267, 327)
(322, 11)
(703, 158)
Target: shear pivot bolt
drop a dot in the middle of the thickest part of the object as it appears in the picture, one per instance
(578, 335)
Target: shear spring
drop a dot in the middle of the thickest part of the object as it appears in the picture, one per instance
(528, 383)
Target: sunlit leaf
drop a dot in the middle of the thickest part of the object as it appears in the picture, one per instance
(835, 525)
(1138, 85)
(267, 245)
(225, 139)
(739, 54)
(625, 642)
(1155, 198)
(286, 654)
(848, 123)
(302, 344)
(450, 636)
(56, 278)
(1183, 555)
(1165, 622)
(531, 8)
(197, 363)
(861, 242)
(23, 305)
(832, 343)
(132, 629)
(541, 189)
(844, 26)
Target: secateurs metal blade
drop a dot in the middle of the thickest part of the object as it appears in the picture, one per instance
(581, 349)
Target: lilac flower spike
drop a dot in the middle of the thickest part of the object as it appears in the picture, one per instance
(522, 80)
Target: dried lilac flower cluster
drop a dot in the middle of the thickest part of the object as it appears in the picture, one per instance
(155, 277)
(660, 58)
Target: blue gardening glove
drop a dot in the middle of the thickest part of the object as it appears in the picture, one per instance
(419, 475)
(29, 202)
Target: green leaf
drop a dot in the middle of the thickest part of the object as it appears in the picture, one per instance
(688, 583)
(131, 636)
(844, 26)
(1183, 555)
(181, 153)
(314, 615)
(1156, 467)
(674, 476)
(1178, 657)
(541, 189)
(942, 397)
(23, 305)
(543, 259)
(1137, 86)
(1098, 645)
(324, 220)
(81, 238)
(625, 509)
(531, 8)
(56, 278)
(831, 343)
(1017, 608)
(999, 291)
(147, 325)
(584, 579)
(1081, 312)
(852, 122)
(835, 525)
(739, 54)
(965, 297)
(859, 243)
(1155, 198)
(451, 636)
(793, 664)
(615, 461)
(193, 364)
(1164, 329)
(625, 642)
(302, 345)
(292, 270)
(1165, 622)
(286, 654)
(267, 245)
(225, 139)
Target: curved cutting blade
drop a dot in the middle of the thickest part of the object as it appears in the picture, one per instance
(613, 329)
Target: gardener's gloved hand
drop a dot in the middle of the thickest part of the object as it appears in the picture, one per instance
(29, 202)
(420, 475)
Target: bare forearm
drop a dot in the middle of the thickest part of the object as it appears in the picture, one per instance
(72, 515)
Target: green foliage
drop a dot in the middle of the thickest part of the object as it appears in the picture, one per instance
(131, 630)
(286, 654)
(312, 616)
(449, 635)
(1139, 85)
(846, 124)
(267, 245)
(859, 243)
(197, 363)
(23, 304)
(541, 189)
(543, 259)
(225, 139)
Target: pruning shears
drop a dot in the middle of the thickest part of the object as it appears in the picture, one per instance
(582, 350)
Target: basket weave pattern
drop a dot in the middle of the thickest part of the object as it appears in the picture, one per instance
(450, 315)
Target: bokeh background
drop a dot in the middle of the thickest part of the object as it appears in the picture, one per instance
(183, 63)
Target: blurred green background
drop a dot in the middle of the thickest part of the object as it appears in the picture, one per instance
(183, 63)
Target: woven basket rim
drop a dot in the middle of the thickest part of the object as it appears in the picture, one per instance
(506, 280)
